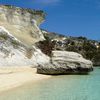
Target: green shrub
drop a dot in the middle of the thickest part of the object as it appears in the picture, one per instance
(9, 6)
(3, 36)
(15, 43)
(46, 47)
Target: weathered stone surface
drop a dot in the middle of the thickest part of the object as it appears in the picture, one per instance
(19, 31)
(63, 62)
(14, 53)
(89, 49)
(22, 23)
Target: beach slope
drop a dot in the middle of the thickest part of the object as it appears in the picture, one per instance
(12, 77)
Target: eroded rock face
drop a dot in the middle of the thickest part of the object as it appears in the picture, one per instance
(19, 31)
(63, 62)
(14, 53)
(90, 49)
(22, 23)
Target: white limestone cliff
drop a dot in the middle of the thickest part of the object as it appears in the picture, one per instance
(14, 53)
(22, 23)
(19, 32)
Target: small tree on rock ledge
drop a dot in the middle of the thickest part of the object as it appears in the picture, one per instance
(46, 46)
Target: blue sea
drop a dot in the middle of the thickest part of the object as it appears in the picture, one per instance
(64, 87)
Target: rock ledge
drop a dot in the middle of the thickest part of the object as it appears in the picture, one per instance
(64, 62)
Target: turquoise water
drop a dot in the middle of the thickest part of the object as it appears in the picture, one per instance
(65, 87)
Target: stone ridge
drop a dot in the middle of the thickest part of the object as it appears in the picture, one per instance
(32, 11)
(24, 10)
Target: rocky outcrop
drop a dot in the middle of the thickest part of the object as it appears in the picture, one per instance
(89, 49)
(64, 62)
(22, 23)
(19, 32)
(14, 53)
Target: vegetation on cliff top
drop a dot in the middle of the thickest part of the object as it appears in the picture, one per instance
(31, 11)
(90, 49)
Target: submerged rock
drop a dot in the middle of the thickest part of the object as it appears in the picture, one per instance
(64, 62)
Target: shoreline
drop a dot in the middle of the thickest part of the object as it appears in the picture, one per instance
(13, 77)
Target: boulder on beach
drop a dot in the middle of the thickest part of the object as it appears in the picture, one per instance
(64, 62)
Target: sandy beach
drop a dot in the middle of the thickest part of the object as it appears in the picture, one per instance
(12, 77)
